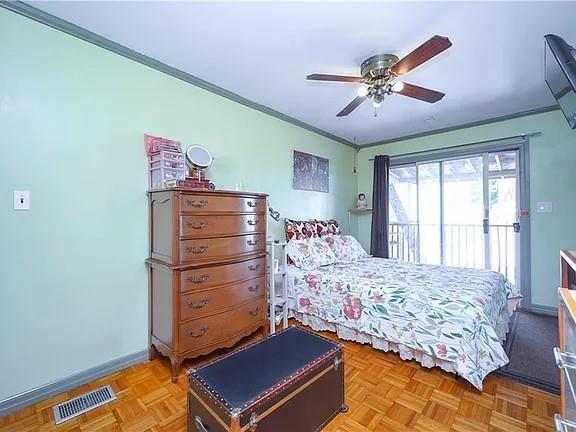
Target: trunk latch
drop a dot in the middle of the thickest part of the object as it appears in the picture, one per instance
(337, 362)
(253, 422)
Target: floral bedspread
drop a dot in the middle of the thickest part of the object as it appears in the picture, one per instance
(458, 315)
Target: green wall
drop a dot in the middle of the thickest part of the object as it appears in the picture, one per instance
(73, 284)
(552, 178)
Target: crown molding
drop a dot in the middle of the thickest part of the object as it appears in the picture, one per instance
(45, 18)
(40, 16)
(462, 126)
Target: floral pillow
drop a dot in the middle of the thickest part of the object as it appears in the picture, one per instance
(309, 254)
(299, 229)
(327, 227)
(345, 247)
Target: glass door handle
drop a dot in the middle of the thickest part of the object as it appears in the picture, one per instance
(516, 227)
(485, 226)
(563, 425)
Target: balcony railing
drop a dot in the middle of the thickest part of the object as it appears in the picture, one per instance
(464, 245)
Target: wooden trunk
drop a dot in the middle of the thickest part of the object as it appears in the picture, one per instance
(207, 271)
(291, 381)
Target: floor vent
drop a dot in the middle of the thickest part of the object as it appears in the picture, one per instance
(81, 404)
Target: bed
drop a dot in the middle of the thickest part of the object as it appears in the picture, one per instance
(453, 318)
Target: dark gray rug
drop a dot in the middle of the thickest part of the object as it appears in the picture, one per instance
(529, 346)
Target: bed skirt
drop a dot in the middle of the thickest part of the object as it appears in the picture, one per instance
(405, 352)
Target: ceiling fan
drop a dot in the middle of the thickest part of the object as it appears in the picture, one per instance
(379, 76)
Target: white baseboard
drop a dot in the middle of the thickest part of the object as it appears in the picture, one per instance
(542, 309)
(37, 394)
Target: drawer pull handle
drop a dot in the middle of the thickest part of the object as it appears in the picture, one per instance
(197, 225)
(253, 267)
(199, 333)
(197, 204)
(253, 288)
(199, 425)
(254, 312)
(198, 305)
(253, 204)
(253, 222)
(197, 279)
(253, 242)
(197, 250)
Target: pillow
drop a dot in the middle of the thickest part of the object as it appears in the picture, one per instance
(309, 254)
(327, 227)
(299, 229)
(345, 247)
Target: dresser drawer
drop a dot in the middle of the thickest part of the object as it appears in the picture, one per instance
(205, 331)
(201, 303)
(195, 226)
(199, 279)
(221, 204)
(212, 249)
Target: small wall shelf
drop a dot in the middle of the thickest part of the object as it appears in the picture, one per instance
(359, 210)
(356, 211)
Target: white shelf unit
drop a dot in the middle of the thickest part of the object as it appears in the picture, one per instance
(356, 211)
(277, 290)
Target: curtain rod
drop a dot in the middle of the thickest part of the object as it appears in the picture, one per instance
(527, 135)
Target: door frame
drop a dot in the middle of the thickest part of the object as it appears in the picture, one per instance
(522, 146)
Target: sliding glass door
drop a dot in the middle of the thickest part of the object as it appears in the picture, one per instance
(459, 212)
(503, 211)
(429, 212)
(463, 205)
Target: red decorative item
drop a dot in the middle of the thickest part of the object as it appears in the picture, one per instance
(154, 144)
(326, 227)
(192, 183)
(166, 161)
(297, 229)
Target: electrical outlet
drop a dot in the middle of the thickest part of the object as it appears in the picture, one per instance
(21, 200)
(544, 207)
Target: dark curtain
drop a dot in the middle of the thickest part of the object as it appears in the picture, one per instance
(379, 243)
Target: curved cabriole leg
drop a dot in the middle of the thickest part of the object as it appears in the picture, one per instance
(152, 353)
(175, 369)
(265, 330)
(344, 408)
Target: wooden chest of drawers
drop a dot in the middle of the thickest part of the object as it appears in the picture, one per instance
(207, 270)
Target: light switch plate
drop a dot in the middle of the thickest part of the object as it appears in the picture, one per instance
(21, 200)
(544, 207)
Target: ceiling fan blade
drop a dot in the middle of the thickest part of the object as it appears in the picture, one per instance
(432, 47)
(420, 93)
(340, 78)
(351, 106)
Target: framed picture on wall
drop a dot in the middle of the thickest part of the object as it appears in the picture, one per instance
(311, 173)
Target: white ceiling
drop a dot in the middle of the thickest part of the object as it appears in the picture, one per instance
(263, 51)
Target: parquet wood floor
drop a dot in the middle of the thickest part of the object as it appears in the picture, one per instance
(383, 392)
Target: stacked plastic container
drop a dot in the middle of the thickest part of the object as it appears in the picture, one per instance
(166, 160)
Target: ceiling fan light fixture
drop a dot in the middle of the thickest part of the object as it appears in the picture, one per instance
(398, 86)
(362, 91)
(378, 75)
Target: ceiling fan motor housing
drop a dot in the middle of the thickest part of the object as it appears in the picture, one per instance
(378, 66)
